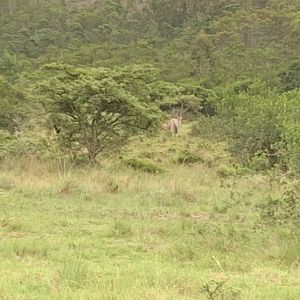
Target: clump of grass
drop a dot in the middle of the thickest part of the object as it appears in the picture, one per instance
(23, 248)
(184, 252)
(112, 187)
(121, 229)
(73, 272)
(67, 188)
(185, 195)
(6, 184)
(10, 224)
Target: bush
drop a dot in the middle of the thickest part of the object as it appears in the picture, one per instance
(12, 147)
(40, 148)
(259, 162)
(282, 210)
(187, 157)
(212, 128)
(290, 79)
(232, 170)
(142, 165)
(255, 129)
(263, 126)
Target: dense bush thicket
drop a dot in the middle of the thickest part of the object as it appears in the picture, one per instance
(261, 124)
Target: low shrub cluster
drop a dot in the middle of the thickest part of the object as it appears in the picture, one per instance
(188, 157)
(23, 146)
(261, 125)
(142, 165)
(282, 210)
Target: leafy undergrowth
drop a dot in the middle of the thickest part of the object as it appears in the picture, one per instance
(114, 232)
(167, 152)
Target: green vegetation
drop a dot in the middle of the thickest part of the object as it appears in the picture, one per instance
(116, 232)
(98, 201)
(98, 109)
(260, 124)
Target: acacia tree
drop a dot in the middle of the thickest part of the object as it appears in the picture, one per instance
(97, 109)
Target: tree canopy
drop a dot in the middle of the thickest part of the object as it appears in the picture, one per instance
(97, 109)
(217, 41)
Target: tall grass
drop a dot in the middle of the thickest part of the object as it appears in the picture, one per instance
(112, 232)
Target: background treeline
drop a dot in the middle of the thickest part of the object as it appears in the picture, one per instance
(218, 41)
(236, 62)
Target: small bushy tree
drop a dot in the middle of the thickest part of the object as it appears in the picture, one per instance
(263, 126)
(97, 109)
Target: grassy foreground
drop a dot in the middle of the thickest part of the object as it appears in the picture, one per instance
(192, 231)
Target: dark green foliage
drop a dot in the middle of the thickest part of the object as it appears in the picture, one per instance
(12, 107)
(97, 109)
(212, 40)
(187, 157)
(257, 123)
(142, 165)
(211, 128)
(10, 66)
(24, 147)
(290, 79)
(283, 210)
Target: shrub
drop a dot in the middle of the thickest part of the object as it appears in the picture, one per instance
(212, 128)
(290, 79)
(24, 146)
(259, 162)
(232, 170)
(282, 210)
(255, 129)
(263, 126)
(187, 157)
(142, 165)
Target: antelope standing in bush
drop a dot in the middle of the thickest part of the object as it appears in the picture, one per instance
(174, 123)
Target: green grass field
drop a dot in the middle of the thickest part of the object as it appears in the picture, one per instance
(191, 229)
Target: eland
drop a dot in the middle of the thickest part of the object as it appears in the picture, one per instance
(174, 124)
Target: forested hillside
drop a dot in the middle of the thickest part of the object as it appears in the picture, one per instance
(216, 41)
